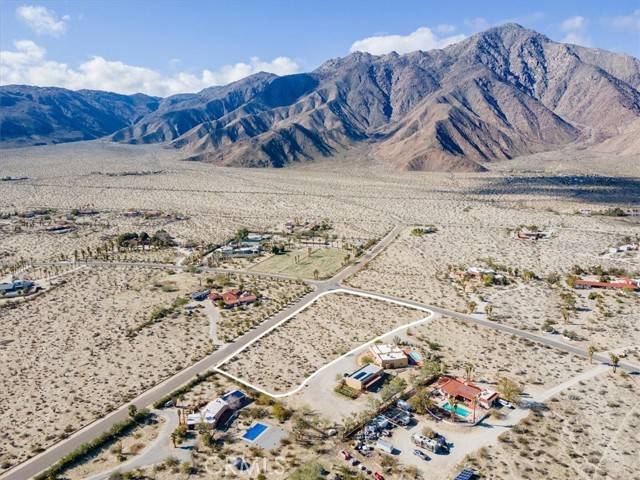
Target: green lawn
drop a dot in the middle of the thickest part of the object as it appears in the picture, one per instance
(328, 261)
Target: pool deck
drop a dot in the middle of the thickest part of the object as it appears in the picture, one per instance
(465, 420)
(460, 410)
(269, 439)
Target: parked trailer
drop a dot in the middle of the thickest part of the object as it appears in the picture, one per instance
(385, 447)
(430, 444)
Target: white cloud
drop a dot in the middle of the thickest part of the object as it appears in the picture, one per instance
(27, 64)
(422, 39)
(625, 22)
(445, 28)
(576, 31)
(42, 20)
(477, 24)
(573, 23)
(577, 38)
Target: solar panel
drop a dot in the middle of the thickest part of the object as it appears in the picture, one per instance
(466, 474)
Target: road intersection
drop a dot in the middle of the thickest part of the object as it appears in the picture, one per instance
(42, 461)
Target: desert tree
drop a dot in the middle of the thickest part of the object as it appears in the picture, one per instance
(615, 361)
(590, 351)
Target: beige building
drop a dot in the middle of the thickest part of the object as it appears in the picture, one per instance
(388, 356)
(364, 377)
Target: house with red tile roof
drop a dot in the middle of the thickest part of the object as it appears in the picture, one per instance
(465, 391)
(622, 283)
(233, 298)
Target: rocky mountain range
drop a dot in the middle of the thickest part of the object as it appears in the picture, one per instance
(37, 116)
(499, 94)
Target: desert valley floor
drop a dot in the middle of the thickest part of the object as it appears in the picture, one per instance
(112, 318)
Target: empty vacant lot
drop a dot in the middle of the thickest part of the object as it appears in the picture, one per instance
(331, 326)
(85, 347)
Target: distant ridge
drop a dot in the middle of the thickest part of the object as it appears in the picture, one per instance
(42, 115)
(502, 93)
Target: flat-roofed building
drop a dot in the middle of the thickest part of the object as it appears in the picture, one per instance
(364, 377)
(388, 356)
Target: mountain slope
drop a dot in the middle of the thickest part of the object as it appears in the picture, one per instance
(34, 115)
(499, 94)
(502, 93)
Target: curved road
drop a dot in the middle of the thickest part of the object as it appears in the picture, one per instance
(41, 462)
(44, 460)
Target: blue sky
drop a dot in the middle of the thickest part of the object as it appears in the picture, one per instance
(163, 46)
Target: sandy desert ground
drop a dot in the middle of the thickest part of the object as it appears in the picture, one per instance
(74, 340)
(127, 447)
(529, 305)
(90, 339)
(494, 354)
(81, 349)
(331, 327)
(276, 294)
(591, 430)
(416, 267)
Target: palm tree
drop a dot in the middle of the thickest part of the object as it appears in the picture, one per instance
(468, 370)
(475, 405)
(316, 273)
(615, 360)
(174, 435)
(453, 403)
(565, 314)
(590, 351)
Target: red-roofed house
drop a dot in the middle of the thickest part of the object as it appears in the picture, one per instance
(466, 392)
(621, 283)
(233, 298)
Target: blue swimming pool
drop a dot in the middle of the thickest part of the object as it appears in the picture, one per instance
(460, 411)
(254, 432)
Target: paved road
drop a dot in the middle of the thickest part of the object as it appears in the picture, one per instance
(42, 461)
(157, 451)
(548, 341)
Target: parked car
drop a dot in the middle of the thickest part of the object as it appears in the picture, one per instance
(346, 455)
(504, 403)
(354, 462)
(378, 476)
(421, 454)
